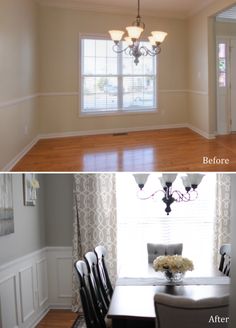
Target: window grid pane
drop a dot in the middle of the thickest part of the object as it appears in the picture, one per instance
(112, 82)
(222, 65)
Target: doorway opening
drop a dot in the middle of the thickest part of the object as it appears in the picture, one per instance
(226, 71)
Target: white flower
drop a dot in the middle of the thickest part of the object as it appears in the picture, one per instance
(34, 184)
(174, 263)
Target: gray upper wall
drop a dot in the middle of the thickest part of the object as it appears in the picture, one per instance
(29, 228)
(49, 223)
(58, 209)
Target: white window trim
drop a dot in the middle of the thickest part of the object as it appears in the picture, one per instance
(107, 112)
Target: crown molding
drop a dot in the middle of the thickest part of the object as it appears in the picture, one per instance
(73, 4)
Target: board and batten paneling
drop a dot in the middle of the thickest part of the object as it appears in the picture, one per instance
(33, 284)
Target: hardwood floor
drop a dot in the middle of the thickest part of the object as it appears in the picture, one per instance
(162, 150)
(58, 319)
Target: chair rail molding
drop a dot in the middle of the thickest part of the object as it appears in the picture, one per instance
(16, 101)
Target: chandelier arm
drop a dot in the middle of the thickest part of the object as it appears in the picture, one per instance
(144, 50)
(150, 196)
(180, 197)
(155, 51)
(186, 197)
(116, 49)
(193, 192)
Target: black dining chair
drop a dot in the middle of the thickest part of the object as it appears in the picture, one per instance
(225, 261)
(178, 311)
(101, 252)
(99, 294)
(92, 314)
(155, 250)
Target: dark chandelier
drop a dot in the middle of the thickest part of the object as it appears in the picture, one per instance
(190, 182)
(132, 39)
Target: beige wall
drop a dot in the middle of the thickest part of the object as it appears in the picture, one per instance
(59, 67)
(201, 54)
(225, 29)
(18, 77)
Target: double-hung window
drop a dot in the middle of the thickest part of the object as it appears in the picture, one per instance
(112, 83)
(190, 223)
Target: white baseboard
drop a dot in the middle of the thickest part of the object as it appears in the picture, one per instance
(19, 156)
(39, 317)
(110, 131)
(202, 133)
(60, 306)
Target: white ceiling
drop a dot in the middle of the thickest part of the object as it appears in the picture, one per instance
(170, 8)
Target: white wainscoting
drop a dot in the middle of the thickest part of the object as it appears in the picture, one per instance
(33, 284)
(60, 276)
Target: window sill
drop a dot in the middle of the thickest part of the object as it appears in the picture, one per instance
(118, 113)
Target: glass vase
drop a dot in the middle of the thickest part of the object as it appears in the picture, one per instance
(173, 276)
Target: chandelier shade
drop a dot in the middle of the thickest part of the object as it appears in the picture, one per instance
(134, 32)
(159, 36)
(132, 38)
(141, 179)
(190, 183)
(116, 35)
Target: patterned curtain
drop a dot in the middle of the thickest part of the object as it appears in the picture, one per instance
(94, 221)
(223, 213)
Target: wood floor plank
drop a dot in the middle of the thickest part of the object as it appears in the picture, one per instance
(159, 150)
(58, 319)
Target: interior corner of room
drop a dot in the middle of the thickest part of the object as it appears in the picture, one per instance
(40, 81)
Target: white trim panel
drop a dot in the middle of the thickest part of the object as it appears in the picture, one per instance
(19, 288)
(60, 276)
(42, 281)
(9, 314)
(27, 302)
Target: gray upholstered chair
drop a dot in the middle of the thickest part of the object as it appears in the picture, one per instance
(225, 261)
(155, 250)
(181, 312)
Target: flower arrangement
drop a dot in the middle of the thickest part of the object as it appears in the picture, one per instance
(173, 263)
(33, 183)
